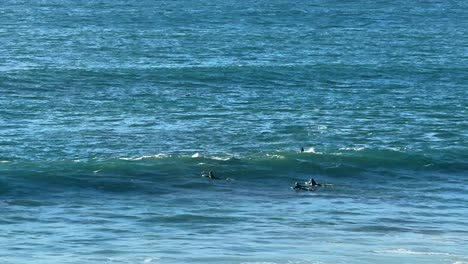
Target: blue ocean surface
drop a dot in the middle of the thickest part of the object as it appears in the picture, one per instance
(111, 112)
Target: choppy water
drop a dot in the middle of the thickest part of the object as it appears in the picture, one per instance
(109, 111)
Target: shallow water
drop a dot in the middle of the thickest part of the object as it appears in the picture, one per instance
(109, 112)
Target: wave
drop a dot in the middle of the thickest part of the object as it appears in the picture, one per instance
(361, 159)
(147, 172)
(190, 65)
(157, 156)
(206, 65)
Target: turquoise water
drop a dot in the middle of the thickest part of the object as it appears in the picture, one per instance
(110, 111)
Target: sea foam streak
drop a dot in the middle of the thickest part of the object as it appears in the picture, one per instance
(410, 252)
(157, 156)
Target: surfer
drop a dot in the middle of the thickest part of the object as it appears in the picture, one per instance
(297, 186)
(210, 175)
(313, 182)
(302, 149)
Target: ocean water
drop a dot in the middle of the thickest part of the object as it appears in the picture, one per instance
(110, 111)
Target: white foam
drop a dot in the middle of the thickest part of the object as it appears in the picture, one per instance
(196, 155)
(353, 149)
(311, 150)
(275, 156)
(157, 156)
(221, 158)
(410, 252)
(396, 149)
(4, 161)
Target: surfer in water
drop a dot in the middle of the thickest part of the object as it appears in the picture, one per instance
(297, 186)
(210, 175)
(313, 182)
(302, 149)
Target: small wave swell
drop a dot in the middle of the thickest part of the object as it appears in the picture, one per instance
(134, 173)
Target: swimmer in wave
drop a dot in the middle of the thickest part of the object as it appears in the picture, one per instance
(298, 187)
(210, 175)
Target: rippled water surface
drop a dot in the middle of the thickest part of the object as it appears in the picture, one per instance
(110, 111)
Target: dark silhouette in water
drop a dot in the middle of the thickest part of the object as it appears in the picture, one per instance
(302, 149)
(313, 182)
(297, 186)
(210, 175)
